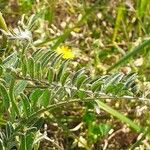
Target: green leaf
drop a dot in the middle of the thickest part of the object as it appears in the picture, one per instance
(96, 83)
(3, 27)
(24, 65)
(115, 89)
(62, 70)
(1, 70)
(3, 23)
(12, 98)
(56, 60)
(38, 54)
(3, 136)
(47, 57)
(130, 79)
(96, 131)
(10, 61)
(38, 122)
(26, 104)
(64, 78)
(19, 87)
(81, 94)
(89, 117)
(9, 129)
(104, 129)
(38, 70)
(34, 97)
(5, 96)
(77, 74)
(80, 80)
(30, 140)
(23, 145)
(113, 79)
(44, 98)
(2, 145)
(2, 121)
(31, 67)
(57, 94)
(50, 75)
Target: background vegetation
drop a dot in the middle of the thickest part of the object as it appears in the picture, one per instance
(74, 74)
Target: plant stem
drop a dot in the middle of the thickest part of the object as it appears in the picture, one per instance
(100, 94)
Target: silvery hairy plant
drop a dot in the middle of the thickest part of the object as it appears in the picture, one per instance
(33, 84)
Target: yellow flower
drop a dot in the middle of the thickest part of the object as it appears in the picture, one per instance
(66, 52)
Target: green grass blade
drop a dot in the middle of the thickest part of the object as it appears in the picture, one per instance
(118, 115)
(118, 21)
(135, 50)
(142, 6)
